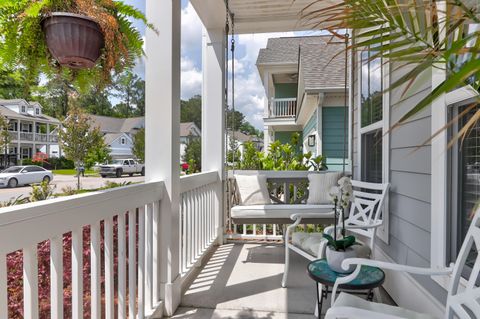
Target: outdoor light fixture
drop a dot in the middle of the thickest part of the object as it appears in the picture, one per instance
(311, 140)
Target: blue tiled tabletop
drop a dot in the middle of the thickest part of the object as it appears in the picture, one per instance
(368, 278)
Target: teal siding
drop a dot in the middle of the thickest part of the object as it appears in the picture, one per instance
(286, 138)
(286, 90)
(311, 125)
(333, 136)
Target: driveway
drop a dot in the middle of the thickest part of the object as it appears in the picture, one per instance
(64, 181)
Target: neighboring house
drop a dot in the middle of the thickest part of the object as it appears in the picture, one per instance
(188, 132)
(304, 81)
(119, 133)
(434, 187)
(240, 139)
(31, 131)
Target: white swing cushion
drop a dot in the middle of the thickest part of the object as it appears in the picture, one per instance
(279, 211)
(252, 189)
(310, 243)
(349, 306)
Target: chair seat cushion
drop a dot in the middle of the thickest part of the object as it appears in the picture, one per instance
(347, 304)
(279, 211)
(310, 243)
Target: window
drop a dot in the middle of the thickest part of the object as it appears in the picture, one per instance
(464, 173)
(24, 109)
(31, 169)
(123, 141)
(371, 89)
(131, 162)
(37, 111)
(371, 117)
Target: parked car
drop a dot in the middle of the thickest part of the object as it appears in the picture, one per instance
(122, 166)
(24, 175)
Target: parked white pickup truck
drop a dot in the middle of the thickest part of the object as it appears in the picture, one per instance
(121, 167)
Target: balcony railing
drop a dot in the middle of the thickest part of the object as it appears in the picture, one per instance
(26, 136)
(53, 138)
(13, 135)
(40, 137)
(105, 229)
(283, 108)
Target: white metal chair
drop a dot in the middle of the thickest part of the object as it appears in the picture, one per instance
(462, 299)
(364, 219)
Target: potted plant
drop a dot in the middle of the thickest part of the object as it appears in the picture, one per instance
(92, 39)
(340, 249)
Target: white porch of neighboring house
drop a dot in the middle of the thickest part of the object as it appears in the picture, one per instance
(180, 221)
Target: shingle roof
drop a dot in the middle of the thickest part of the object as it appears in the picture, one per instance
(5, 111)
(323, 65)
(113, 125)
(322, 61)
(109, 138)
(285, 50)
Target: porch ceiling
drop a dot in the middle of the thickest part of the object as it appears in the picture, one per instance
(258, 16)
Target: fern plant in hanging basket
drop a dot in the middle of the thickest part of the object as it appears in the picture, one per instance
(85, 39)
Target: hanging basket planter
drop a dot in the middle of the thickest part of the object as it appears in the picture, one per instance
(75, 41)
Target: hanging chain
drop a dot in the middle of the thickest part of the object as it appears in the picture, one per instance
(232, 49)
(345, 115)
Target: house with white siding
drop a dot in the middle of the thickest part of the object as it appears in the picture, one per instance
(119, 133)
(304, 81)
(31, 131)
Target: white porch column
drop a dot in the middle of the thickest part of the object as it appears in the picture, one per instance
(266, 139)
(162, 139)
(213, 114)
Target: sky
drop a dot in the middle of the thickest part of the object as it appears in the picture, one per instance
(249, 92)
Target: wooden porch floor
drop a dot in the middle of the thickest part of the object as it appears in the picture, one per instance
(243, 281)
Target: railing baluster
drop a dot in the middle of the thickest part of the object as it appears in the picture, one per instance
(148, 258)
(155, 252)
(56, 278)
(77, 273)
(95, 257)
(141, 262)
(30, 282)
(183, 233)
(122, 276)
(132, 271)
(109, 255)
(4, 287)
(190, 229)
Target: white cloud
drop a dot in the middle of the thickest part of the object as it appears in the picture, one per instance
(191, 78)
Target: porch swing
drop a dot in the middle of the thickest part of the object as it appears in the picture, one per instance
(250, 201)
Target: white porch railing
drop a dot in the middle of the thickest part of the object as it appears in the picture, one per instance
(280, 108)
(199, 213)
(99, 226)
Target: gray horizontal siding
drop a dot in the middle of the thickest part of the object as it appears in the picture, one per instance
(410, 179)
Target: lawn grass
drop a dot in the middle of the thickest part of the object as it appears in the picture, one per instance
(73, 172)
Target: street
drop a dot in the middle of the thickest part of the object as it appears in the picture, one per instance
(64, 181)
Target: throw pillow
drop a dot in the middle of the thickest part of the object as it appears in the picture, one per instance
(252, 189)
(319, 187)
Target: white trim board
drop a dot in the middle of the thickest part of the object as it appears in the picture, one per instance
(407, 292)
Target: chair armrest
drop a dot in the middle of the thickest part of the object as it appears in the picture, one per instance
(359, 262)
(373, 225)
(396, 267)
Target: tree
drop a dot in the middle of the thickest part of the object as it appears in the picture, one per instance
(5, 137)
(78, 138)
(96, 102)
(130, 89)
(55, 95)
(99, 154)
(191, 111)
(138, 148)
(14, 85)
(193, 155)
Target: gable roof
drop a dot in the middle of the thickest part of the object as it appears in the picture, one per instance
(322, 63)
(189, 128)
(109, 138)
(8, 113)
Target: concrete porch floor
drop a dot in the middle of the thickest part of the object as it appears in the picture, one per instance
(243, 281)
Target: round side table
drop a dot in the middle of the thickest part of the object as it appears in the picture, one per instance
(368, 279)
